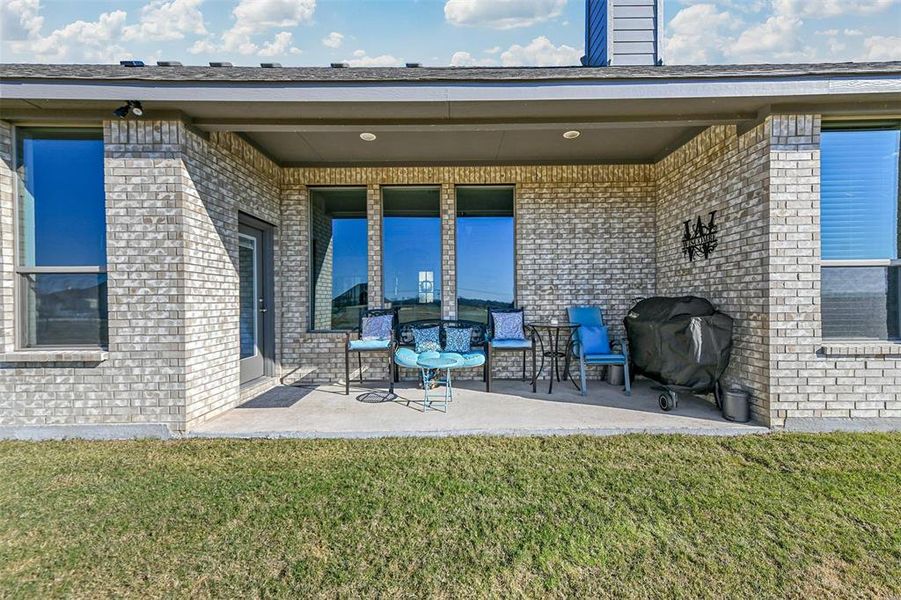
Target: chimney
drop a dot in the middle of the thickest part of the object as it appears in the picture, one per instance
(623, 32)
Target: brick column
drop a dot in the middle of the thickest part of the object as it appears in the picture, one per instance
(322, 251)
(448, 251)
(797, 388)
(7, 236)
(374, 229)
(145, 272)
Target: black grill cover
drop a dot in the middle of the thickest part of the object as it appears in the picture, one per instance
(681, 342)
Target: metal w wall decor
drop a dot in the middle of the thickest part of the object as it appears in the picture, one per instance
(700, 239)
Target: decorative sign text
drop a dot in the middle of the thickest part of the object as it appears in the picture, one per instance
(700, 239)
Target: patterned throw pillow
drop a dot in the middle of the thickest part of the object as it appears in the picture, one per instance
(508, 326)
(377, 328)
(458, 339)
(426, 339)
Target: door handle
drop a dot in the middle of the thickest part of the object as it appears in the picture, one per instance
(262, 306)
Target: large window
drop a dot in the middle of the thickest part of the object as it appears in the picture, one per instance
(339, 254)
(485, 254)
(61, 238)
(412, 251)
(861, 272)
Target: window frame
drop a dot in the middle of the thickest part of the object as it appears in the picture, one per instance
(311, 324)
(514, 189)
(888, 263)
(21, 272)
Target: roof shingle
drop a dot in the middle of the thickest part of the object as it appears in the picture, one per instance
(434, 74)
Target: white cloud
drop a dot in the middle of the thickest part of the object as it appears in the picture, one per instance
(493, 50)
(698, 34)
(167, 20)
(253, 17)
(19, 19)
(540, 52)
(206, 46)
(820, 9)
(777, 37)
(282, 43)
(465, 59)
(502, 14)
(880, 47)
(79, 41)
(333, 40)
(361, 59)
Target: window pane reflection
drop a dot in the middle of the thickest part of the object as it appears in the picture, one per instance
(861, 302)
(412, 252)
(247, 295)
(62, 219)
(65, 309)
(485, 251)
(340, 257)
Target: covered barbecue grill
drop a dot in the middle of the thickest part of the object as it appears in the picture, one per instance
(681, 343)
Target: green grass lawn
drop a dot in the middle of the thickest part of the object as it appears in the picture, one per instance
(636, 516)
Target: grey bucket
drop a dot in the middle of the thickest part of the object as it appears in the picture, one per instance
(615, 375)
(736, 403)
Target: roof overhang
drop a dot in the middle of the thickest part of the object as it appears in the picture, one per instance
(314, 120)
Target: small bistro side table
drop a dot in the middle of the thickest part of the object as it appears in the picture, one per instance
(553, 351)
(431, 372)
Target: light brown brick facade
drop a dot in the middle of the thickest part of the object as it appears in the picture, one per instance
(720, 171)
(602, 234)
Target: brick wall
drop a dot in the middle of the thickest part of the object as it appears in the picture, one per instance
(448, 251)
(172, 202)
(143, 379)
(605, 214)
(721, 171)
(221, 177)
(813, 381)
(7, 237)
(602, 235)
(322, 266)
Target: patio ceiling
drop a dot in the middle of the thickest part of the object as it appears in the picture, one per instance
(314, 117)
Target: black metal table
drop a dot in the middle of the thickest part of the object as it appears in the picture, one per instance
(553, 350)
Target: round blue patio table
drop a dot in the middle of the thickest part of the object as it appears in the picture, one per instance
(431, 367)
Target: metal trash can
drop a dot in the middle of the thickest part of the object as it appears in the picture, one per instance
(736, 405)
(615, 375)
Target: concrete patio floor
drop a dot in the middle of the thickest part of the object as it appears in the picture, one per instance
(511, 409)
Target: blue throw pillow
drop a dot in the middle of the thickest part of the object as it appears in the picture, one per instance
(377, 328)
(426, 339)
(458, 339)
(508, 326)
(594, 339)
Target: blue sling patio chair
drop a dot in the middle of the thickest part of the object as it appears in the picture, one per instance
(507, 332)
(376, 333)
(591, 344)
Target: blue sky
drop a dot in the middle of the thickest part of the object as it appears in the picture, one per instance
(434, 32)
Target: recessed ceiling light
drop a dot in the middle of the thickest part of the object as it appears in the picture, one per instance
(572, 134)
(367, 137)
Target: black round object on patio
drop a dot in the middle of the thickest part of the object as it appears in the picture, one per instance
(376, 397)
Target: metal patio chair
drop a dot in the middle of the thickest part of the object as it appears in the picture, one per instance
(361, 345)
(590, 318)
(525, 345)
